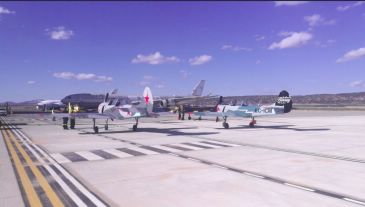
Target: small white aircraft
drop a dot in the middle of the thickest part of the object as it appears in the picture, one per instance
(281, 106)
(50, 105)
(112, 109)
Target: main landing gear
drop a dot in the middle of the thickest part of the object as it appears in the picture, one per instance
(225, 124)
(252, 123)
(135, 125)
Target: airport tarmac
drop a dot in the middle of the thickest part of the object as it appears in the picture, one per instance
(304, 158)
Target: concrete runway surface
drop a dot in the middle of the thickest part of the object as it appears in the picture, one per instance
(305, 158)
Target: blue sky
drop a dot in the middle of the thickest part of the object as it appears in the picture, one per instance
(51, 49)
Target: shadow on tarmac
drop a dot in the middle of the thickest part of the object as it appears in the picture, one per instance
(282, 127)
(168, 132)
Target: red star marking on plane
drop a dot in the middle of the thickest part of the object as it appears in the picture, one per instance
(146, 99)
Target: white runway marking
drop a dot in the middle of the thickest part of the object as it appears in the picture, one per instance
(118, 153)
(89, 156)
(188, 146)
(166, 148)
(254, 175)
(207, 145)
(300, 187)
(224, 143)
(144, 151)
(219, 166)
(354, 201)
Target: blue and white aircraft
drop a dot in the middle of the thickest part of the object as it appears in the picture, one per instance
(282, 105)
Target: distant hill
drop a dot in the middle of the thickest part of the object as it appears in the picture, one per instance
(31, 102)
(319, 99)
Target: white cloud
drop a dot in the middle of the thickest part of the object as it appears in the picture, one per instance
(31, 82)
(289, 3)
(352, 55)
(4, 10)
(235, 48)
(154, 59)
(59, 33)
(82, 76)
(294, 39)
(199, 60)
(258, 61)
(316, 20)
(357, 83)
(349, 6)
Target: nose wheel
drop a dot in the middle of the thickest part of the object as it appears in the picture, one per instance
(226, 125)
(96, 129)
(135, 127)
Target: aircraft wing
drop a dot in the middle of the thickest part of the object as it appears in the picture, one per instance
(209, 113)
(266, 111)
(81, 115)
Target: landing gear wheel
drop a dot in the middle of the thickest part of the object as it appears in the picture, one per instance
(106, 127)
(226, 125)
(189, 117)
(135, 127)
(251, 125)
(96, 129)
(65, 126)
(216, 119)
(200, 118)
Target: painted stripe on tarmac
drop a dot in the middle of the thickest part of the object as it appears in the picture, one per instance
(198, 145)
(73, 156)
(60, 158)
(131, 152)
(212, 143)
(155, 149)
(61, 183)
(354, 201)
(169, 149)
(104, 154)
(88, 197)
(89, 155)
(177, 147)
(144, 151)
(118, 153)
(300, 187)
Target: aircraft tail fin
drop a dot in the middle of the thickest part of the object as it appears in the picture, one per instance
(198, 89)
(148, 98)
(284, 100)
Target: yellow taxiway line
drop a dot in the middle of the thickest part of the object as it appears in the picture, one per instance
(30, 192)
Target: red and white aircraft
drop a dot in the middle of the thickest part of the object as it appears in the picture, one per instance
(112, 109)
